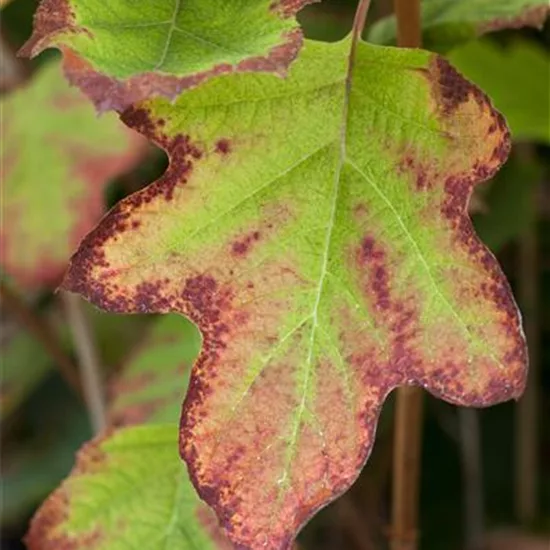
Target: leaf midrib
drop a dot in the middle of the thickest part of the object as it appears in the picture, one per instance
(324, 265)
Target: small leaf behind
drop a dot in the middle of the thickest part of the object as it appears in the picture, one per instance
(447, 23)
(57, 157)
(152, 384)
(120, 52)
(128, 489)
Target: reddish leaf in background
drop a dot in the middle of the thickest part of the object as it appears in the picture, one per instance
(119, 53)
(57, 157)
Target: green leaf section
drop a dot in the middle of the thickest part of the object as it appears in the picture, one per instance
(120, 52)
(23, 366)
(516, 77)
(447, 23)
(510, 204)
(152, 383)
(56, 159)
(316, 231)
(51, 428)
(128, 489)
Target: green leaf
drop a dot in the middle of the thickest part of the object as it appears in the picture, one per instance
(447, 23)
(25, 362)
(36, 461)
(56, 159)
(128, 490)
(120, 52)
(315, 229)
(115, 335)
(152, 384)
(509, 203)
(516, 79)
(24, 365)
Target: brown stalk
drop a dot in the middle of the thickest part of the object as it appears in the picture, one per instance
(409, 400)
(88, 362)
(40, 330)
(406, 468)
(469, 442)
(409, 29)
(354, 523)
(527, 466)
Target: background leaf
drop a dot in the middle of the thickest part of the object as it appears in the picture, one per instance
(510, 207)
(447, 23)
(45, 161)
(128, 489)
(50, 430)
(516, 77)
(24, 365)
(166, 46)
(320, 242)
(151, 386)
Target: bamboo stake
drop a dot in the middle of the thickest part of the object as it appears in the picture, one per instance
(88, 361)
(408, 406)
(527, 466)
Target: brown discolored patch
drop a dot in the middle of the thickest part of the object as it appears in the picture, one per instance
(223, 146)
(42, 533)
(50, 18)
(289, 8)
(360, 211)
(372, 257)
(398, 315)
(242, 246)
(182, 153)
(451, 88)
(424, 176)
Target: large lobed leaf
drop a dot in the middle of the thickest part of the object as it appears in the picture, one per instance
(128, 489)
(56, 160)
(446, 23)
(316, 231)
(123, 51)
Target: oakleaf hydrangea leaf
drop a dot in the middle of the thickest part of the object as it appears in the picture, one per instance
(56, 158)
(122, 51)
(446, 23)
(315, 229)
(149, 387)
(129, 489)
